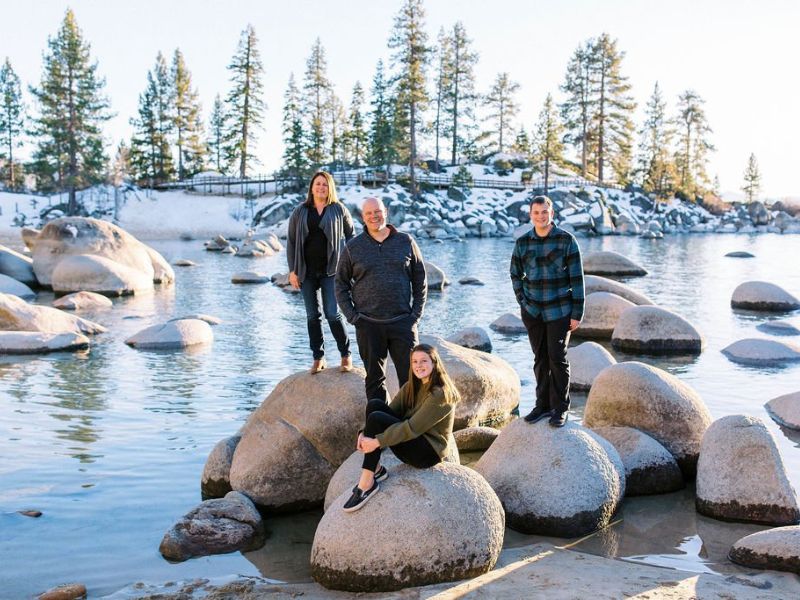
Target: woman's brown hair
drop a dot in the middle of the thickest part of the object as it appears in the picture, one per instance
(439, 376)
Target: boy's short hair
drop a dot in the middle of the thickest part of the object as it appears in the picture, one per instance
(542, 200)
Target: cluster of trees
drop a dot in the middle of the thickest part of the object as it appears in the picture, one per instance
(426, 96)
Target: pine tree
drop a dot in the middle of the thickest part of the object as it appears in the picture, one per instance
(656, 169)
(549, 148)
(381, 134)
(295, 164)
(151, 152)
(357, 138)
(337, 130)
(522, 144)
(693, 143)
(72, 109)
(316, 104)
(502, 108)
(120, 167)
(752, 180)
(409, 41)
(578, 109)
(443, 56)
(12, 123)
(460, 96)
(245, 102)
(217, 131)
(613, 121)
(188, 123)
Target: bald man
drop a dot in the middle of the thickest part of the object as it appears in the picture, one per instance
(381, 289)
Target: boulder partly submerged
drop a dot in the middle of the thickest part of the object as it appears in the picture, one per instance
(36, 342)
(762, 295)
(475, 338)
(564, 482)
(778, 328)
(82, 301)
(586, 360)
(457, 532)
(9, 285)
(508, 323)
(17, 266)
(762, 353)
(602, 311)
(475, 439)
(18, 315)
(596, 283)
(216, 479)
(655, 330)
(741, 476)
(435, 277)
(87, 272)
(777, 549)
(606, 262)
(172, 335)
(785, 410)
(250, 277)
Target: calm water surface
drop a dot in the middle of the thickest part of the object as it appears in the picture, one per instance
(110, 444)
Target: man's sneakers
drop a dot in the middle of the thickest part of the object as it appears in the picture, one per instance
(537, 414)
(359, 498)
(559, 419)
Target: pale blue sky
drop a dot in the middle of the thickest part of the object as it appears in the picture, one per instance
(739, 55)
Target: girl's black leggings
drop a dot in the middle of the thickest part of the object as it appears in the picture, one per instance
(417, 452)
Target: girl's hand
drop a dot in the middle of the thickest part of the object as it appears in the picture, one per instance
(293, 281)
(369, 444)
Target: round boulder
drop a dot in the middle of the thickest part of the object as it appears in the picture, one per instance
(36, 342)
(633, 394)
(172, 335)
(470, 281)
(87, 272)
(776, 549)
(595, 283)
(184, 262)
(475, 439)
(508, 323)
(740, 254)
(18, 315)
(606, 262)
(778, 328)
(163, 273)
(785, 410)
(82, 301)
(762, 353)
(17, 266)
(436, 278)
(741, 476)
(475, 338)
(762, 295)
(601, 314)
(564, 482)
(655, 330)
(649, 467)
(586, 360)
(9, 285)
(314, 419)
(216, 479)
(457, 532)
(250, 277)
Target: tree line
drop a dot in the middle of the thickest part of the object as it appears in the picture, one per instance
(426, 96)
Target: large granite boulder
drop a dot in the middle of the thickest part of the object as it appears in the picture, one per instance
(655, 330)
(586, 360)
(489, 386)
(70, 236)
(424, 526)
(172, 335)
(293, 443)
(475, 338)
(17, 266)
(37, 342)
(9, 285)
(633, 394)
(18, 315)
(785, 410)
(435, 277)
(82, 301)
(741, 476)
(649, 467)
(595, 283)
(215, 526)
(777, 549)
(762, 295)
(606, 262)
(762, 353)
(91, 273)
(216, 479)
(508, 323)
(564, 482)
(602, 311)
(475, 439)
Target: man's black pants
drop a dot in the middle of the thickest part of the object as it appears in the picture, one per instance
(549, 341)
(417, 452)
(376, 341)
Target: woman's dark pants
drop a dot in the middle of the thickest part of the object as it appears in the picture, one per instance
(417, 452)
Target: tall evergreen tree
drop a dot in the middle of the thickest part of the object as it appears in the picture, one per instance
(120, 167)
(655, 166)
(693, 142)
(295, 163)
(549, 148)
(72, 109)
(443, 57)
(752, 179)
(409, 41)
(578, 108)
(316, 104)
(12, 123)
(337, 129)
(217, 132)
(502, 108)
(381, 134)
(245, 104)
(188, 123)
(357, 139)
(460, 96)
(522, 144)
(151, 151)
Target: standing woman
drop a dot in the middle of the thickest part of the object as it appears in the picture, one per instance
(318, 230)
(416, 424)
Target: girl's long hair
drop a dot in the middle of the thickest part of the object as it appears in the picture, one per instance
(439, 376)
(332, 197)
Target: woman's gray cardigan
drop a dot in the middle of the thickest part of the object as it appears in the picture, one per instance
(336, 223)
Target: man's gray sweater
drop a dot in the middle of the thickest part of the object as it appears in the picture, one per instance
(381, 282)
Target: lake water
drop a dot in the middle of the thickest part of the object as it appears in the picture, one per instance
(110, 444)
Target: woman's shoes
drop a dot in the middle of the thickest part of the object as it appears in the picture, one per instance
(318, 366)
(359, 498)
(347, 364)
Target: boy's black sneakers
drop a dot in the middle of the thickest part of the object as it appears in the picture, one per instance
(559, 419)
(537, 414)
